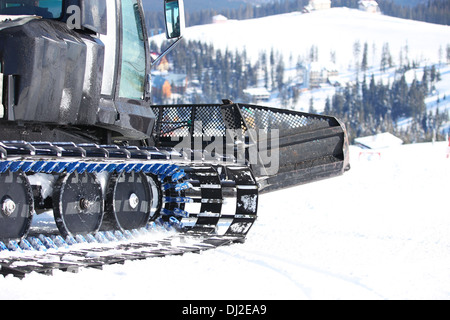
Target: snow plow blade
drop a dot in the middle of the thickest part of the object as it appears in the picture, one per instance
(310, 147)
(283, 148)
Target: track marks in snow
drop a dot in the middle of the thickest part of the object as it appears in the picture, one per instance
(311, 282)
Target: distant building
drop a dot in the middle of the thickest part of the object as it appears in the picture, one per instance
(378, 141)
(219, 19)
(315, 75)
(320, 73)
(161, 87)
(178, 82)
(164, 85)
(257, 95)
(315, 5)
(370, 6)
(163, 65)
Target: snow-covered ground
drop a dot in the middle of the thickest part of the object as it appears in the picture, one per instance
(381, 231)
(334, 30)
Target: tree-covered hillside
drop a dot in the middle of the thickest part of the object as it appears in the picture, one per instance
(201, 11)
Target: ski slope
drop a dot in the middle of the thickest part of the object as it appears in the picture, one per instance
(381, 231)
(334, 30)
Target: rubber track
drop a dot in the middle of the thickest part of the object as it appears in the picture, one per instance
(99, 255)
(198, 230)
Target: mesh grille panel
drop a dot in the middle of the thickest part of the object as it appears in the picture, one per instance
(261, 118)
(175, 121)
(213, 120)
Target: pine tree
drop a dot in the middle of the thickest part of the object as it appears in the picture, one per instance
(425, 81)
(364, 62)
(356, 52)
(448, 53)
(416, 99)
(280, 74)
(399, 95)
(313, 54)
(311, 105)
(386, 58)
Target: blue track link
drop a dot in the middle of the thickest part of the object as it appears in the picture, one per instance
(176, 182)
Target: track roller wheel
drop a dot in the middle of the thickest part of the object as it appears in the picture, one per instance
(78, 204)
(155, 188)
(128, 201)
(16, 205)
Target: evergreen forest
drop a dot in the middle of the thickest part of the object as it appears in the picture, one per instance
(367, 106)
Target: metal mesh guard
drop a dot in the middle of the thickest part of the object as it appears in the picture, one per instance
(262, 118)
(213, 120)
(182, 120)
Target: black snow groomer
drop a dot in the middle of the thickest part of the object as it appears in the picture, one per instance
(80, 138)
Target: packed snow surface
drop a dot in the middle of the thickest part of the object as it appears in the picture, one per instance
(381, 231)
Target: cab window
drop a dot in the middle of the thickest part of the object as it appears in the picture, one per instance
(132, 78)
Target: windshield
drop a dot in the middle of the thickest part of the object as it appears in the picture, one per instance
(48, 9)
